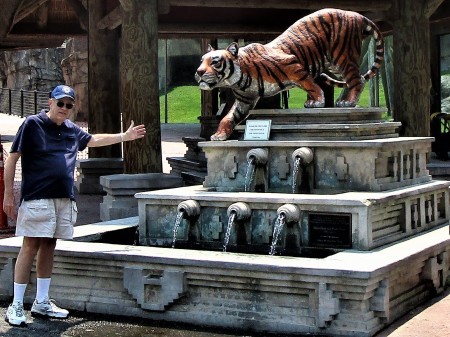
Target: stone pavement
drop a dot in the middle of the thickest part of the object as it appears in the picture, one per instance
(432, 319)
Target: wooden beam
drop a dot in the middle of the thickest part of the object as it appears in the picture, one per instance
(31, 41)
(27, 9)
(163, 7)
(127, 5)
(7, 14)
(42, 16)
(112, 20)
(219, 29)
(81, 13)
(376, 5)
(430, 7)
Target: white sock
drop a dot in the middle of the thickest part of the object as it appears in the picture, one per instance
(19, 292)
(42, 289)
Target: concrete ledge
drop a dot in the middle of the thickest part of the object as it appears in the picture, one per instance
(97, 231)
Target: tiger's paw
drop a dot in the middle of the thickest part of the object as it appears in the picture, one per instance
(314, 104)
(219, 136)
(345, 104)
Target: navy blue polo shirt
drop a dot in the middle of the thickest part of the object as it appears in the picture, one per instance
(48, 153)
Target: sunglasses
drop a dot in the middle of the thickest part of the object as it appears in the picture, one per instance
(61, 104)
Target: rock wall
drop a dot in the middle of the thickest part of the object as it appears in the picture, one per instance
(33, 69)
(75, 71)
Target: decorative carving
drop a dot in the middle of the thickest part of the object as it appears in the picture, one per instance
(328, 305)
(341, 169)
(380, 300)
(436, 271)
(154, 289)
(215, 227)
(231, 166)
(284, 168)
(415, 216)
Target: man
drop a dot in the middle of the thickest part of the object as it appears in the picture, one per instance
(48, 144)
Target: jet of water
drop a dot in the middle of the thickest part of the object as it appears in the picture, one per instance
(228, 231)
(179, 218)
(295, 172)
(279, 223)
(250, 174)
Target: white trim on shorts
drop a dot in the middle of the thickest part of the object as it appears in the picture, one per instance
(47, 218)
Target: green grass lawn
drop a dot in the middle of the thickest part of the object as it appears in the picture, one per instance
(183, 103)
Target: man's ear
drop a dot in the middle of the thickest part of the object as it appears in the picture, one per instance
(233, 49)
(210, 48)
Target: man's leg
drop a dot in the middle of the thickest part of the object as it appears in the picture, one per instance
(44, 268)
(24, 262)
(44, 260)
(15, 314)
(43, 306)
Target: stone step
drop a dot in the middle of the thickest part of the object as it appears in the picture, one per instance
(193, 178)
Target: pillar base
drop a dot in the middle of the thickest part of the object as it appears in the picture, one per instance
(90, 170)
(121, 188)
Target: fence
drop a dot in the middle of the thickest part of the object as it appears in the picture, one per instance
(22, 103)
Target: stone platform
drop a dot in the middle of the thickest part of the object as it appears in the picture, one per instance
(355, 291)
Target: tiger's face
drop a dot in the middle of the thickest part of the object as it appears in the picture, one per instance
(217, 67)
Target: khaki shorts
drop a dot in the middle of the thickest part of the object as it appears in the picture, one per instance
(47, 218)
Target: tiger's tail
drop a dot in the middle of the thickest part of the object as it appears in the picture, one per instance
(370, 29)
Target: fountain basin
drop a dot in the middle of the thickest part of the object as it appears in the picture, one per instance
(357, 220)
(337, 166)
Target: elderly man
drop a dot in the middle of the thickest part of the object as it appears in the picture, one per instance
(48, 144)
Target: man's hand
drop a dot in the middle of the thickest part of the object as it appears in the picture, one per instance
(9, 206)
(134, 132)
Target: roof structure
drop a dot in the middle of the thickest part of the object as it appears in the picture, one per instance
(47, 23)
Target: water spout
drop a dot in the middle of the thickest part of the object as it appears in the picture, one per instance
(287, 213)
(187, 209)
(259, 155)
(191, 208)
(301, 157)
(238, 211)
(256, 158)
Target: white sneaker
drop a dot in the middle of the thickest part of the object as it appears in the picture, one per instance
(15, 315)
(48, 308)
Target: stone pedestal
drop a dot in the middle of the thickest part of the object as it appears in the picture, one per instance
(192, 166)
(90, 171)
(121, 188)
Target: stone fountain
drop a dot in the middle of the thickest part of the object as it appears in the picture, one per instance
(332, 227)
(336, 195)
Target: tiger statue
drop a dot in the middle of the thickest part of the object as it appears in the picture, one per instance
(326, 40)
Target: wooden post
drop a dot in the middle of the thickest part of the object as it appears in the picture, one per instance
(411, 37)
(139, 84)
(103, 80)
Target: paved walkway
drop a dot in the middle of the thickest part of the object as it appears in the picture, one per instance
(432, 319)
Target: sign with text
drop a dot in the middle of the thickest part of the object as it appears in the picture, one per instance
(257, 129)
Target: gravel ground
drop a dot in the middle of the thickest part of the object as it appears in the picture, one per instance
(80, 324)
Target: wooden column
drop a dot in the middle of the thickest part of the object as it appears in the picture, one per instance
(412, 67)
(139, 84)
(103, 81)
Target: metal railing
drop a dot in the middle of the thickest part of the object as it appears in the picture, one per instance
(22, 103)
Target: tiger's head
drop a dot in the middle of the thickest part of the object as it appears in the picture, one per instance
(218, 68)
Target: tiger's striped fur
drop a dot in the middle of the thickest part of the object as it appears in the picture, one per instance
(326, 40)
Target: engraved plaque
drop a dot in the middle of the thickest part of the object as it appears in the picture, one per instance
(330, 230)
